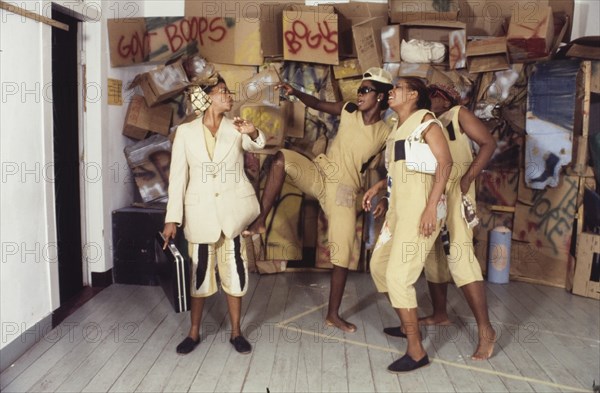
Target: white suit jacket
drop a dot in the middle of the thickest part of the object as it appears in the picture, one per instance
(211, 196)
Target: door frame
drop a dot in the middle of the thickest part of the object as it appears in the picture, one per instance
(84, 13)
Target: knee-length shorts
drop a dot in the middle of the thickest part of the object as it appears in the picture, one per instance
(228, 258)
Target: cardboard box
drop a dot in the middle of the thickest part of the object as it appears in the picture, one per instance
(158, 39)
(276, 122)
(162, 83)
(402, 11)
(587, 279)
(347, 69)
(367, 41)
(392, 68)
(450, 33)
(483, 17)
(140, 119)
(390, 44)
(422, 71)
(129, 43)
(259, 89)
(310, 34)
(543, 227)
(595, 84)
(530, 36)
(150, 162)
(490, 17)
(295, 114)
(234, 76)
(539, 264)
(355, 13)
(584, 52)
(498, 187)
(348, 88)
(487, 55)
(269, 119)
(234, 32)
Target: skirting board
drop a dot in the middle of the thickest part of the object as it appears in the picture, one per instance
(18, 346)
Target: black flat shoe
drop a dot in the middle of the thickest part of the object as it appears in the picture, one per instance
(187, 345)
(394, 331)
(241, 344)
(407, 364)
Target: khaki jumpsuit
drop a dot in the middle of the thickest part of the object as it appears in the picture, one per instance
(335, 178)
(461, 263)
(397, 263)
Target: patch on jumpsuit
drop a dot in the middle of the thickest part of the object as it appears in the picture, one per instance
(442, 207)
(384, 236)
(345, 196)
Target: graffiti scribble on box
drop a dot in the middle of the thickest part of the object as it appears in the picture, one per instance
(310, 34)
(545, 217)
(269, 119)
(498, 187)
(149, 161)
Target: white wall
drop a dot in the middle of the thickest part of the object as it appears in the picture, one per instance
(27, 229)
(28, 270)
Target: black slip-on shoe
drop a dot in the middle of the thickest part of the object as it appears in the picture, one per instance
(241, 344)
(407, 364)
(394, 331)
(187, 345)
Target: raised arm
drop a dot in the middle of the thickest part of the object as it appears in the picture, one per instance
(252, 138)
(477, 132)
(333, 108)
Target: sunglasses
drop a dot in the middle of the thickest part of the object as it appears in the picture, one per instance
(364, 90)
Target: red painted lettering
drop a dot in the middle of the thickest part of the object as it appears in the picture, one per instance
(333, 47)
(202, 28)
(217, 29)
(175, 40)
(135, 46)
(293, 45)
(186, 30)
(326, 39)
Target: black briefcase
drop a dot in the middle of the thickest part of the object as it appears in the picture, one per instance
(173, 274)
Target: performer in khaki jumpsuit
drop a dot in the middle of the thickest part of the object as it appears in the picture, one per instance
(461, 126)
(412, 217)
(334, 178)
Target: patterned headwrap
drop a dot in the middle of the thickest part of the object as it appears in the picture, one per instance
(447, 92)
(197, 91)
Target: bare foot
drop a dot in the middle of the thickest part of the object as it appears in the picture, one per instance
(485, 347)
(435, 320)
(340, 324)
(257, 227)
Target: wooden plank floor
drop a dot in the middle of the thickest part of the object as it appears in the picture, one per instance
(123, 340)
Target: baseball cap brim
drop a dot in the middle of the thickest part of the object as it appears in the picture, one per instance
(378, 74)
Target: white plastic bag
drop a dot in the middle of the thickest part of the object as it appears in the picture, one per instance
(419, 51)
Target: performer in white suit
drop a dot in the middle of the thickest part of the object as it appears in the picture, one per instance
(210, 195)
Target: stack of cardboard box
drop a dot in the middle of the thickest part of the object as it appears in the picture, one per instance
(324, 50)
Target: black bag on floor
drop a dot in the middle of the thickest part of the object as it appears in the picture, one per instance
(173, 274)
